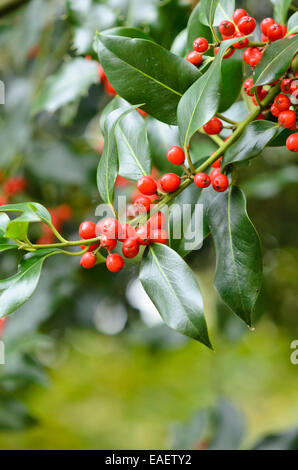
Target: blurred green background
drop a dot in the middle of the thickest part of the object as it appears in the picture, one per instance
(89, 364)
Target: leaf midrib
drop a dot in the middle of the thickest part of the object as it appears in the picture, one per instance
(272, 61)
(132, 151)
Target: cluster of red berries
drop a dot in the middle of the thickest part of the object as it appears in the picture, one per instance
(59, 215)
(241, 26)
(11, 187)
(111, 231)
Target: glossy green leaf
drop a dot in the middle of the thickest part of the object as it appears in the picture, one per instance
(179, 45)
(161, 137)
(200, 103)
(188, 219)
(293, 23)
(207, 11)
(232, 79)
(280, 11)
(276, 60)
(224, 11)
(30, 212)
(5, 245)
(251, 143)
(17, 289)
(238, 275)
(107, 169)
(173, 289)
(195, 28)
(159, 82)
(4, 221)
(133, 147)
(71, 82)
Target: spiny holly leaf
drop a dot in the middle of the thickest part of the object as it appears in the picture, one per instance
(251, 143)
(71, 82)
(195, 28)
(293, 23)
(200, 102)
(281, 8)
(108, 164)
(17, 228)
(276, 60)
(172, 287)
(17, 289)
(159, 82)
(238, 274)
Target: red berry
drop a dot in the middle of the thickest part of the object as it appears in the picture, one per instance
(92, 247)
(220, 183)
(212, 127)
(170, 182)
(146, 185)
(101, 74)
(226, 28)
(247, 86)
(242, 43)
(252, 56)
(284, 30)
(214, 173)
(238, 14)
(274, 32)
(194, 58)
(142, 113)
(275, 110)
(282, 102)
(264, 38)
(125, 231)
(202, 180)
(114, 262)
(287, 119)
(261, 117)
(217, 163)
(14, 185)
(3, 200)
(285, 85)
(156, 221)
(87, 229)
(176, 155)
(143, 234)
(107, 242)
(294, 87)
(159, 236)
(108, 226)
(142, 204)
(265, 24)
(88, 260)
(246, 25)
(292, 142)
(130, 248)
(200, 45)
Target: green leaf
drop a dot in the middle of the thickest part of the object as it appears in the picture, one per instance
(179, 45)
(161, 137)
(200, 103)
(251, 143)
(107, 169)
(30, 212)
(144, 72)
(287, 440)
(224, 11)
(71, 82)
(133, 147)
(188, 224)
(173, 289)
(4, 221)
(5, 245)
(276, 60)
(207, 11)
(293, 23)
(280, 11)
(17, 289)
(238, 274)
(232, 79)
(195, 28)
